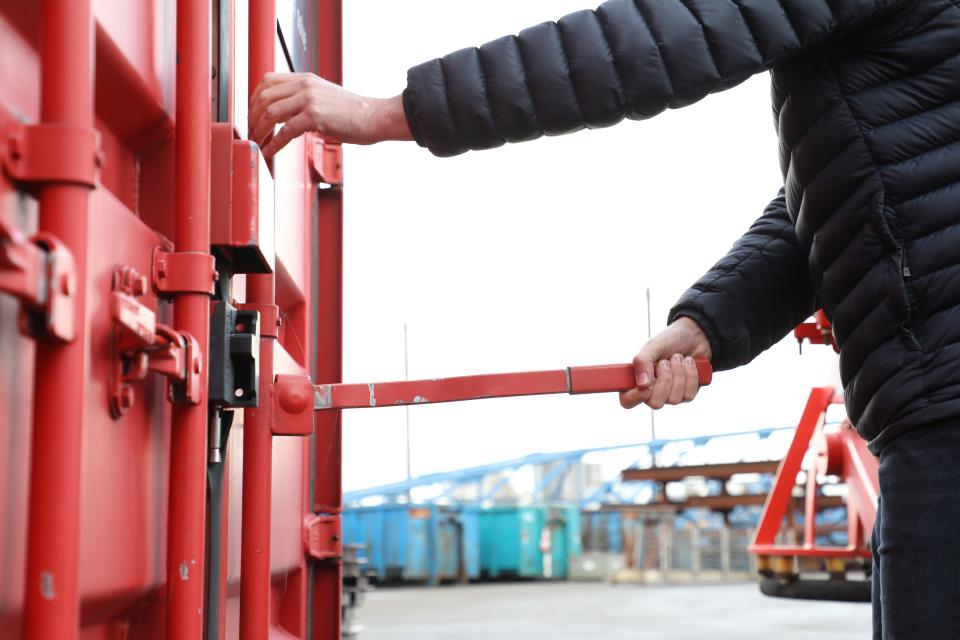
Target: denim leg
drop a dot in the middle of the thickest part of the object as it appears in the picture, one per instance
(875, 600)
(918, 534)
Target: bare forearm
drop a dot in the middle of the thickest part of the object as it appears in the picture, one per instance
(388, 120)
(305, 102)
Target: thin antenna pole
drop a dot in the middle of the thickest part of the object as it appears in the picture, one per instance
(406, 376)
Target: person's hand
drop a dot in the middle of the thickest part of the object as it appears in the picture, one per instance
(665, 370)
(306, 102)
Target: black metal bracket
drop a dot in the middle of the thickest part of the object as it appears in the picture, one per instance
(234, 356)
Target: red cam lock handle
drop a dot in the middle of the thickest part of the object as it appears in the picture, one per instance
(573, 380)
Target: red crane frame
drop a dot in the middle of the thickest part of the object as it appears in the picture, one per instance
(822, 451)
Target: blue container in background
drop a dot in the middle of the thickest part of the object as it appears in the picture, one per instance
(528, 542)
(430, 543)
(614, 531)
(416, 542)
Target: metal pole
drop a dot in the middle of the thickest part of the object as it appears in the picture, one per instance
(257, 437)
(406, 376)
(328, 498)
(52, 607)
(186, 544)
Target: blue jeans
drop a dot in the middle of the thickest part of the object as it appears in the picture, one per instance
(916, 538)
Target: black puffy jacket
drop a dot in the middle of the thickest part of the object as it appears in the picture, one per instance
(866, 97)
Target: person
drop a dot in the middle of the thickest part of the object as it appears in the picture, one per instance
(866, 100)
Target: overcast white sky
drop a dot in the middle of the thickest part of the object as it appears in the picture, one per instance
(538, 255)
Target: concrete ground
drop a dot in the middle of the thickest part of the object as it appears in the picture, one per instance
(600, 611)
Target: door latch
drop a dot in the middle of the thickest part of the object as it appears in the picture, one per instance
(40, 272)
(141, 345)
(234, 356)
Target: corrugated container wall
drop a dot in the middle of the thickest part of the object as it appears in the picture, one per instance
(181, 298)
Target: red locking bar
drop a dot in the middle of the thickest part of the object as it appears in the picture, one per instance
(186, 545)
(52, 608)
(326, 578)
(574, 380)
(257, 435)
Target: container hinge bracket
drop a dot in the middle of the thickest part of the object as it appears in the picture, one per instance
(40, 272)
(183, 272)
(269, 318)
(50, 152)
(141, 345)
(321, 537)
(326, 161)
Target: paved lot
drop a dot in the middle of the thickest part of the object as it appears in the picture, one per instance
(599, 611)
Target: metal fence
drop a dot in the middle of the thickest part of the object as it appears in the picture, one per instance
(660, 550)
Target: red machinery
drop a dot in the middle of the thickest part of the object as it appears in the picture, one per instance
(829, 454)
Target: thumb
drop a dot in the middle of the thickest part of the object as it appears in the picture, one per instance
(645, 361)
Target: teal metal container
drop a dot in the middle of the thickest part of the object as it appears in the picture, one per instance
(422, 543)
(528, 542)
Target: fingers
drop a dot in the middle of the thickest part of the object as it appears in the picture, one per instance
(692, 378)
(678, 378)
(633, 397)
(662, 385)
(643, 362)
(263, 114)
(271, 80)
(675, 381)
(275, 105)
(278, 112)
(293, 128)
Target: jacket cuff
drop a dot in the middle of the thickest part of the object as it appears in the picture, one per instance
(729, 348)
(409, 111)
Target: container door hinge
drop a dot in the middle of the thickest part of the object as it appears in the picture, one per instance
(50, 152)
(269, 317)
(40, 272)
(183, 272)
(321, 537)
(141, 344)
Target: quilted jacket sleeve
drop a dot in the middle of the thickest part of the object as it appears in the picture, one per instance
(756, 294)
(627, 59)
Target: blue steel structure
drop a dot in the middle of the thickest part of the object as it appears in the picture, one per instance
(610, 491)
